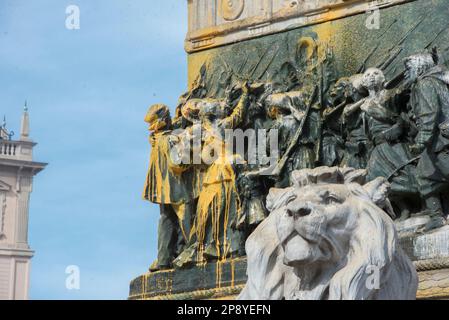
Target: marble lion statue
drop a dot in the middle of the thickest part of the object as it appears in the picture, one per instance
(328, 237)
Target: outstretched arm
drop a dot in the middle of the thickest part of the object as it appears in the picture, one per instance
(238, 113)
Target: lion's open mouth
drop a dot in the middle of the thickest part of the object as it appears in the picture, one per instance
(298, 251)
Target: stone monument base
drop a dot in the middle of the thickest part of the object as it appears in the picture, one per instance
(429, 251)
(215, 280)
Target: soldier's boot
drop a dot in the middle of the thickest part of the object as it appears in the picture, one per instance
(154, 266)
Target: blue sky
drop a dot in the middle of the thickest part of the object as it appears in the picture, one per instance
(88, 91)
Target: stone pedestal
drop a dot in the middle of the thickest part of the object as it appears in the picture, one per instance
(209, 281)
(434, 284)
(430, 253)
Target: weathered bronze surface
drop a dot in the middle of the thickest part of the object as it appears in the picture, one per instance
(338, 93)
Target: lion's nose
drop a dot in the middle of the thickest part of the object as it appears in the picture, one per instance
(299, 212)
(304, 212)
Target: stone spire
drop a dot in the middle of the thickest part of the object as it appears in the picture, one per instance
(25, 126)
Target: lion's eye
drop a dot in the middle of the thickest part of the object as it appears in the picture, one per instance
(333, 200)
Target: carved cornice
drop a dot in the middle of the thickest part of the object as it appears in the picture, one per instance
(215, 23)
(16, 252)
(33, 167)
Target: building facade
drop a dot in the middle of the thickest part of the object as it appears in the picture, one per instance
(17, 170)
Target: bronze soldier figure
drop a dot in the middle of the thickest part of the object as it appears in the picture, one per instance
(357, 146)
(429, 102)
(390, 157)
(168, 184)
(333, 150)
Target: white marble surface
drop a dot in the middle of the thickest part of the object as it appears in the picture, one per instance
(325, 239)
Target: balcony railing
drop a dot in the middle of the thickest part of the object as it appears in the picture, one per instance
(16, 150)
(8, 148)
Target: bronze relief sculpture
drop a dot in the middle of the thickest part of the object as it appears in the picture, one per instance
(397, 131)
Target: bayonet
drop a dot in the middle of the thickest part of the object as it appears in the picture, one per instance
(253, 71)
(269, 64)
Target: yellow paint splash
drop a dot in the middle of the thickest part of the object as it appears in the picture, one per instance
(214, 205)
(232, 273)
(157, 184)
(195, 62)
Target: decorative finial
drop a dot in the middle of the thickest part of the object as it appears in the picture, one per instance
(25, 126)
(4, 122)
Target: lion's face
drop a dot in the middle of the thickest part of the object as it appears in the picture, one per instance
(322, 235)
(316, 225)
